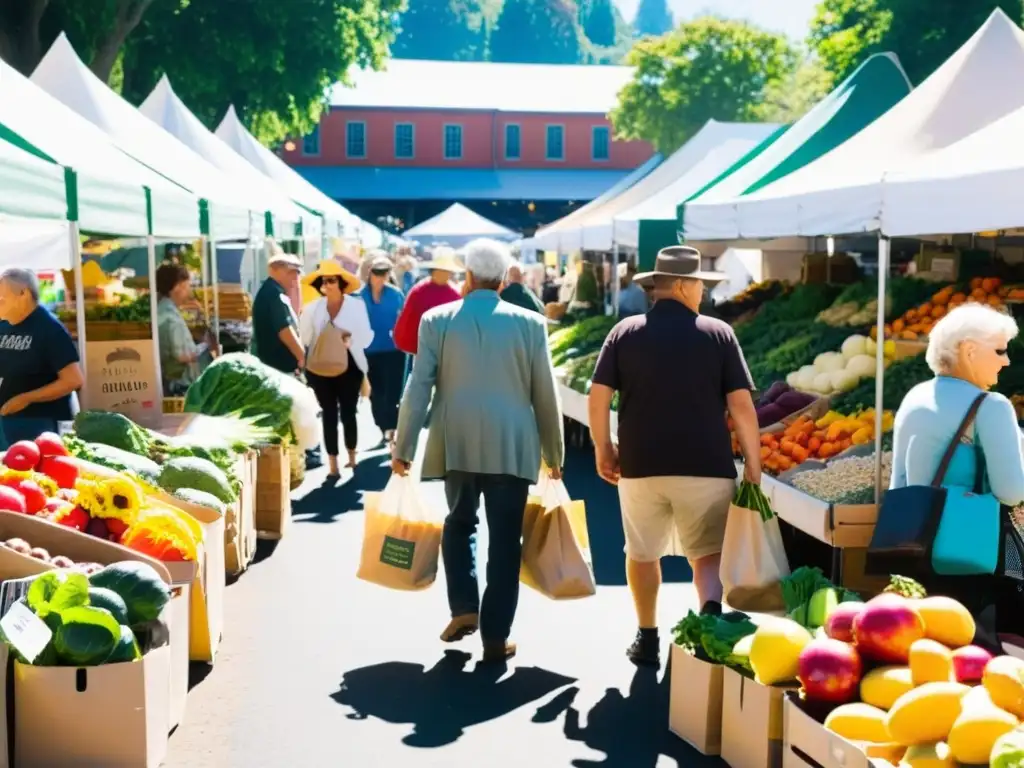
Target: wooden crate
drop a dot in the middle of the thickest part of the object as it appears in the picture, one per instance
(273, 500)
(110, 330)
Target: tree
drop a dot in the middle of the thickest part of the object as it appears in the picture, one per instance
(597, 18)
(707, 68)
(275, 63)
(653, 18)
(441, 30)
(922, 33)
(537, 31)
(788, 99)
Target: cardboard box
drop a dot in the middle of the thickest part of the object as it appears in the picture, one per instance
(807, 743)
(273, 497)
(838, 525)
(695, 701)
(113, 715)
(247, 505)
(752, 724)
(177, 615)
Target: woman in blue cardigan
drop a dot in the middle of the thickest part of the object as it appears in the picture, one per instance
(967, 349)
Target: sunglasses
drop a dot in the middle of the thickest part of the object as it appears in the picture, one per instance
(331, 280)
(380, 272)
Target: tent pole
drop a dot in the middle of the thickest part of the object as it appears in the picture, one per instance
(151, 254)
(204, 262)
(75, 243)
(214, 285)
(615, 279)
(883, 276)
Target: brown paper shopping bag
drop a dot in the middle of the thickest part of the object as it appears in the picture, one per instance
(402, 538)
(753, 556)
(556, 546)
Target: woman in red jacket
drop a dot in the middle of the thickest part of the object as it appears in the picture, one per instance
(425, 295)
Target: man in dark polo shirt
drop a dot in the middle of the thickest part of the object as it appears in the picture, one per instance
(677, 373)
(275, 329)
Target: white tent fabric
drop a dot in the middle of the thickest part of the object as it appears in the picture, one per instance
(63, 75)
(594, 231)
(164, 108)
(456, 225)
(546, 238)
(35, 243)
(337, 219)
(843, 191)
(662, 205)
(743, 266)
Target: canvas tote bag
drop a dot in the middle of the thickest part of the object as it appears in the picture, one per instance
(329, 355)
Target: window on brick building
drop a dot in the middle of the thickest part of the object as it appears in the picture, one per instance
(512, 141)
(311, 142)
(355, 139)
(453, 142)
(405, 141)
(555, 144)
(600, 140)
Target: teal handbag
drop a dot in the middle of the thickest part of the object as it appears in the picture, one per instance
(968, 536)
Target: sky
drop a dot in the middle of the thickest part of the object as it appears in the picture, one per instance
(789, 16)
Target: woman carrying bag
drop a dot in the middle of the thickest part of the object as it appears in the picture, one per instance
(335, 330)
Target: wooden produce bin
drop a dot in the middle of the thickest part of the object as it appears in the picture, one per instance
(273, 497)
(806, 744)
(240, 524)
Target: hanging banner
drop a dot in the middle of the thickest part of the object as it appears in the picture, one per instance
(121, 376)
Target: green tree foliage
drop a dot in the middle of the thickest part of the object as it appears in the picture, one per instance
(537, 31)
(441, 30)
(788, 99)
(597, 17)
(923, 33)
(707, 68)
(653, 18)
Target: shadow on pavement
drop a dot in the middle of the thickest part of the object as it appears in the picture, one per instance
(442, 702)
(604, 522)
(333, 497)
(631, 730)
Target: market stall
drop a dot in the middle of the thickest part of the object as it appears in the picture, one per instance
(455, 226)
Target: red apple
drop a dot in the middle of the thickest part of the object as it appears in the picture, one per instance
(50, 444)
(969, 663)
(35, 498)
(830, 670)
(839, 625)
(22, 456)
(11, 500)
(886, 627)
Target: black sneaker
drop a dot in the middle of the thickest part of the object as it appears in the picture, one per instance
(711, 608)
(646, 648)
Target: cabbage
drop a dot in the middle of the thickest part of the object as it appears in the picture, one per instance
(828, 362)
(86, 636)
(861, 366)
(791, 379)
(854, 345)
(844, 381)
(823, 383)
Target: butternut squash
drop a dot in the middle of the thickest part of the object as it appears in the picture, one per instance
(925, 714)
(881, 687)
(858, 722)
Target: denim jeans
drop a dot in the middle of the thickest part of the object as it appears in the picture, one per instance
(13, 429)
(504, 503)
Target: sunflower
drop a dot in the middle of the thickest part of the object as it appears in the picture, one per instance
(49, 487)
(125, 499)
(88, 498)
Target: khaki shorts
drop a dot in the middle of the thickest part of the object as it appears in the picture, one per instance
(655, 510)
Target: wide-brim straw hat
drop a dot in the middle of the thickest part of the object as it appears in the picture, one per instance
(445, 260)
(287, 259)
(679, 261)
(331, 268)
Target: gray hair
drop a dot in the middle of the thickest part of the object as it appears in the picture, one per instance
(21, 280)
(969, 322)
(487, 260)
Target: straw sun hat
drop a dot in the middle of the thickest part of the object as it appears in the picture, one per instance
(444, 259)
(331, 268)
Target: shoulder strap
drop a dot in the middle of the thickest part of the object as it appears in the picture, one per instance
(947, 457)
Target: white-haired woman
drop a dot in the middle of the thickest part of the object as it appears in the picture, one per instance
(967, 349)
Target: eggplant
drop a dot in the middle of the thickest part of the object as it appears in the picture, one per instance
(775, 391)
(793, 401)
(769, 414)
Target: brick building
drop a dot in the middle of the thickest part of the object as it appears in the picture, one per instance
(522, 144)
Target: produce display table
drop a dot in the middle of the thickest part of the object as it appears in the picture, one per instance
(574, 406)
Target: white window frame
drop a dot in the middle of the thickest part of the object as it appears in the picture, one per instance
(348, 143)
(444, 141)
(315, 132)
(547, 144)
(607, 144)
(412, 141)
(519, 129)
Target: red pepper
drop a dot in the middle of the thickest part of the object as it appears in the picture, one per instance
(60, 469)
(74, 517)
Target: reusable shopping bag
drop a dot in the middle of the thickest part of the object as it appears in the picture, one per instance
(556, 545)
(753, 556)
(402, 538)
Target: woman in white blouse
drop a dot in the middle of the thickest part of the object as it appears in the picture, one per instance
(335, 330)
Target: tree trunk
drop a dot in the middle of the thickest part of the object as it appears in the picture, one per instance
(20, 44)
(129, 14)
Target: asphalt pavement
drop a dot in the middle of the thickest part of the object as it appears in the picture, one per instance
(318, 668)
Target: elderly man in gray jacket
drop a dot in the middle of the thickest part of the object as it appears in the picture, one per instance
(495, 415)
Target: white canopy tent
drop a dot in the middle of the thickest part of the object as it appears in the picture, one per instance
(456, 225)
(843, 192)
(662, 205)
(593, 232)
(547, 238)
(63, 75)
(164, 108)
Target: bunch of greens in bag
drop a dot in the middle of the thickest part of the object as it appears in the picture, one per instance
(712, 638)
(750, 496)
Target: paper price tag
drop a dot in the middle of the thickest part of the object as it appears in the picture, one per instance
(25, 631)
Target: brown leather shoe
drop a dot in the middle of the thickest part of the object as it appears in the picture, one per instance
(460, 627)
(500, 650)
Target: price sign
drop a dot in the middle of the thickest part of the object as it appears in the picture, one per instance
(25, 631)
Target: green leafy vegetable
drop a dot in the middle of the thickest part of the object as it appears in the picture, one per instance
(56, 591)
(712, 638)
(86, 636)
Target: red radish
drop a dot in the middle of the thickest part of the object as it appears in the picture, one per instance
(839, 625)
(50, 444)
(886, 627)
(61, 469)
(830, 670)
(969, 663)
(76, 518)
(11, 500)
(22, 456)
(35, 498)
